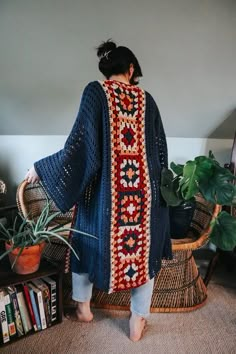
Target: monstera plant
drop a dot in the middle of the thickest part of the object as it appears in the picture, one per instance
(204, 175)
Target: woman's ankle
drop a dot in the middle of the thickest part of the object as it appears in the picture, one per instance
(136, 324)
(83, 311)
(83, 305)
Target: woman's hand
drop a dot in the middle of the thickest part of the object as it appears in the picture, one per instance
(31, 176)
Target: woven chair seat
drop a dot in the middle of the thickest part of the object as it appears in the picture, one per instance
(178, 285)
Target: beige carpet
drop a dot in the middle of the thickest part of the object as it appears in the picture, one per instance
(211, 329)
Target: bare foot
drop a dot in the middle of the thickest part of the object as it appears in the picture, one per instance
(137, 325)
(83, 312)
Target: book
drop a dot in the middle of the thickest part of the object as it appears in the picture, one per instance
(53, 295)
(40, 284)
(23, 310)
(10, 315)
(39, 297)
(3, 318)
(19, 326)
(29, 306)
(35, 307)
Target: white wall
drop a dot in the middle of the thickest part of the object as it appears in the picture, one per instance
(18, 153)
(182, 149)
(187, 50)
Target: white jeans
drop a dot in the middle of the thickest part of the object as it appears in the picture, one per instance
(140, 297)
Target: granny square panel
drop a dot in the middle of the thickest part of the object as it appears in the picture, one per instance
(130, 186)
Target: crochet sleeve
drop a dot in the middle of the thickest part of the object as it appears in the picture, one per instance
(160, 140)
(66, 173)
(161, 146)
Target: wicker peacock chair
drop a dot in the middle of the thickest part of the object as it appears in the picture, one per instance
(178, 285)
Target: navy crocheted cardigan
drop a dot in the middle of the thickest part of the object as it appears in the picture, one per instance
(110, 167)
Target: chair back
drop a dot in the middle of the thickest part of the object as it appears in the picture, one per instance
(200, 226)
(32, 198)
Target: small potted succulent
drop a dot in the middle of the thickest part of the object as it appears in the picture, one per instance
(216, 184)
(25, 241)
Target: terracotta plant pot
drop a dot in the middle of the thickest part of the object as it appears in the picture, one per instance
(29, 260)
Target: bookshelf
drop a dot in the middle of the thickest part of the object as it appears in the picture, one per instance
(9, 278)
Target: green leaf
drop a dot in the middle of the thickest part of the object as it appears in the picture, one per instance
(169, 187)
(52, 217)
(178, 169)
(188, 184)
(7, 252)
(223, 233)
(5, 232)
(62, 239)
(44, 214)
(219, 188)
(80, 232)
(23, 224)
(195, 173)
(211, 155)
(61, 225)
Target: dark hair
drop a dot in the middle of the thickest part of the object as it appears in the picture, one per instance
(116, 60)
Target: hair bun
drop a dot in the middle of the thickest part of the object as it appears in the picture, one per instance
(105, 47)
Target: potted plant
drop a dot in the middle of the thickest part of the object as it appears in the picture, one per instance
(204, 175)
(25, 241)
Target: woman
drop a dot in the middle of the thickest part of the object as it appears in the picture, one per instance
(110, 167)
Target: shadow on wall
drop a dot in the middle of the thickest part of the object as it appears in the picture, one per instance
(222, 155)
(6, 176)
(226, 129)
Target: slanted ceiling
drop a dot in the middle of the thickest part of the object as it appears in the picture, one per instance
(187, 50)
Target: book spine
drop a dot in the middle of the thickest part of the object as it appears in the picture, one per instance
(10, 316)
(23, 309)
(35, 309)
(30, 308)
(17, 316)
(3, 318)
(53, 303)
(41, 310)
(45, 305)
(53, 297)
(46, 300)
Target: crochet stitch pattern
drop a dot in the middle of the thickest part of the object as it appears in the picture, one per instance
(131, 197)
(110, 168)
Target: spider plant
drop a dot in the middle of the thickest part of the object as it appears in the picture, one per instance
(27, 232)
